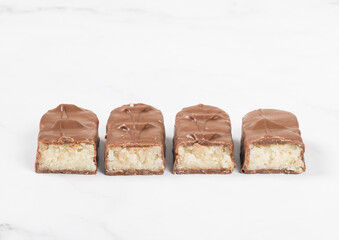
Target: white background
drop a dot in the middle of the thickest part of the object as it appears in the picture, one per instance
(238, 55)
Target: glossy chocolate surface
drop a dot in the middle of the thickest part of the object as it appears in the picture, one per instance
(269, 126)
(204, 125)
(135, 125)
(68, 124)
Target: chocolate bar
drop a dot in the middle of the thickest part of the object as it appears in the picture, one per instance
(271, 143)
(135, 142)
(203, 141)
(67, 141)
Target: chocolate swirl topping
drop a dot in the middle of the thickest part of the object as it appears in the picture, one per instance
(68, 123)
(135, 125)
(202, 124)
(270, 126)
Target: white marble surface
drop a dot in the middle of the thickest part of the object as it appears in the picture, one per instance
(236, 54)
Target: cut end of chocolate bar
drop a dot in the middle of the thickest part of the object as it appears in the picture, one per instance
(66, 158)
(204, 159)
(67, 141)
(134, 160)
(271, 143)
(203, 141)
(135, 141)
(285, 158)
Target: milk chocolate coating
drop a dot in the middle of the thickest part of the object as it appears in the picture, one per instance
(135, 125)
(67, 124)
(204, 125)
(269, 126)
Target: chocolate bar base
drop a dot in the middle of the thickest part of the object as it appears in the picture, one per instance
(67, 172)
(133, 172)
(202, 171)
(265, 171)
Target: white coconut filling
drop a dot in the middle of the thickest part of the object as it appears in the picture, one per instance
(135, 158)
(77, 157)
(276, 156)
(204, 157)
